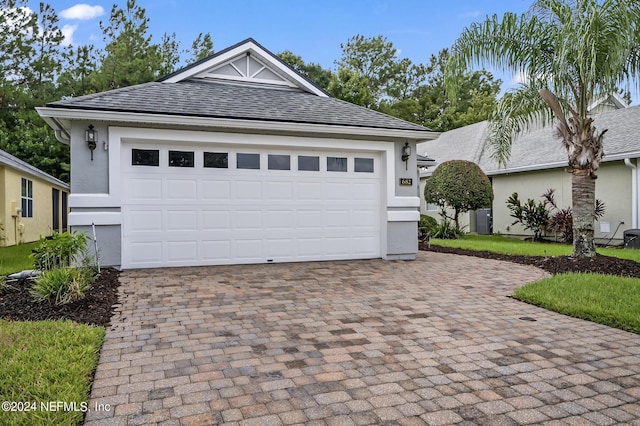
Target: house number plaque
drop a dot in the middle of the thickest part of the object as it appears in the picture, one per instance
(406, 181)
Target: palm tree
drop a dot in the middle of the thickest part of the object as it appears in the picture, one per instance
(570, 53)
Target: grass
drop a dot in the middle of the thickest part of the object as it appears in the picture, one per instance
(16, 258)
(515, 246)
(47, 361)
(605, 299)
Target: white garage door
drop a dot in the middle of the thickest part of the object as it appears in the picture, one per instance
(190, 205)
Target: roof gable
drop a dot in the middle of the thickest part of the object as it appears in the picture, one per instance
(15, 163)
(246, 62)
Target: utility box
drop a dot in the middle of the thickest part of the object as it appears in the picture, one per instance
(484, 222)
(632, 238)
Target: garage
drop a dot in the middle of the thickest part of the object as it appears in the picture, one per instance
(238, 159)
(186, 206)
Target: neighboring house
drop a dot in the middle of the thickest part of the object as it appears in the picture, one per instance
(238, 159)
(32, 203)
(539, 162)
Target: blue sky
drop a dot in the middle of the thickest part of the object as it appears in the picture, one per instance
(311, 29)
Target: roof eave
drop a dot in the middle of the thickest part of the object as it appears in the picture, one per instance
(54, 117)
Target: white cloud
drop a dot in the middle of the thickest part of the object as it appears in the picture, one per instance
(82, 12)
(67, 32)
(520, 78)
(470, 14)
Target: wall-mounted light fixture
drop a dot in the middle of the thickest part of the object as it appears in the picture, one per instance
(406, 153)
(91, 137)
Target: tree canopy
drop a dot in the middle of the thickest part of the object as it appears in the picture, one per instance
(570, 54)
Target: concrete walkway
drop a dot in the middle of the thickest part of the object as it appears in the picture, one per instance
(434, 341)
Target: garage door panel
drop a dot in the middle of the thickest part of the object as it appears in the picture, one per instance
(144, 220)
(248, 220)
(181, 251)
(182, 189)
(278, 191)
(216, 250)
(215, 219)
(182, 220)
(215, 190)
(144, 189)
(249, 190)
(192, 216)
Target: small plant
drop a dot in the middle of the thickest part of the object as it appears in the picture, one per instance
(59, 250)
(427, 226)
(447, 231)
(63, 285)
(562, 219)
(532, 215)
(3, 283)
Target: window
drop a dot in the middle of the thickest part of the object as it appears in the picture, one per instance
(248, 161)
(363, 165)
(308, 163)
(216, 160)
(432, 207)
(279, 162)
(181, 159)
(27, 198)
(145, 157)
(55, 204)
(336, 164)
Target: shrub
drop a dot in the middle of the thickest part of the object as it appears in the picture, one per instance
(63, 285)
(532, 215)
(447, 231)
(562, 219)
(59, 250)
(427, 226)
(459, 186)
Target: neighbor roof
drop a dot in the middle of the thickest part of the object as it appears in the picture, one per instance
(539, 148)
(9, 160)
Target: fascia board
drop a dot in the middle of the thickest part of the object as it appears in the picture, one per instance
(225, 123)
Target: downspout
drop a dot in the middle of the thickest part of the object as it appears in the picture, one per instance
(634, 192)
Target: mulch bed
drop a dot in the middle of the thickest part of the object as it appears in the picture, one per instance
(96, 309)
(16, 304)
(556, 264)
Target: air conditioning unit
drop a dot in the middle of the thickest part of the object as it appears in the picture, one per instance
(632, 238)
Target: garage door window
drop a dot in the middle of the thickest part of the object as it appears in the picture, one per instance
(248, 161)
(308, 163)
(363, 165)
(145, 157)
(216, 160)
(279, 162)
(181, 159)
(336, 164)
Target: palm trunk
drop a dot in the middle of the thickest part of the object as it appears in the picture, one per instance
(583, 189)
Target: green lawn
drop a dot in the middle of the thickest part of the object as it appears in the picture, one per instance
(605, 299)
(16, 258)
(515, 246)
(47, 361)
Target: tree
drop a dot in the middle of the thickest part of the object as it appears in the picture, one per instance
(130, 58)
(459, 186)
(202, 47)
(570, 54)
(314, 72)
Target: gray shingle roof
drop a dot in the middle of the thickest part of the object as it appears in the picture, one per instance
(539, 147)
(235, 101)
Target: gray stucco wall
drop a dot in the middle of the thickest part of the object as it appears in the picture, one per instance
(402, 240)
(88, 176)
(109, 244)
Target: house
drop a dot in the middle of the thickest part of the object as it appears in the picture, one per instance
(238, 159)
(32, 203)
(539, 162)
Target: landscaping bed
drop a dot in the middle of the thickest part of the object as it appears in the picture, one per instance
(16, 304)
(554, 264)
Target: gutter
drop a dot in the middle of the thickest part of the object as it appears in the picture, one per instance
(634, 192)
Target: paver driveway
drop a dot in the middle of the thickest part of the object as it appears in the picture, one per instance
(433, 341)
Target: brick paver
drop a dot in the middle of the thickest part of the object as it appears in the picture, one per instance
(432, 341)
